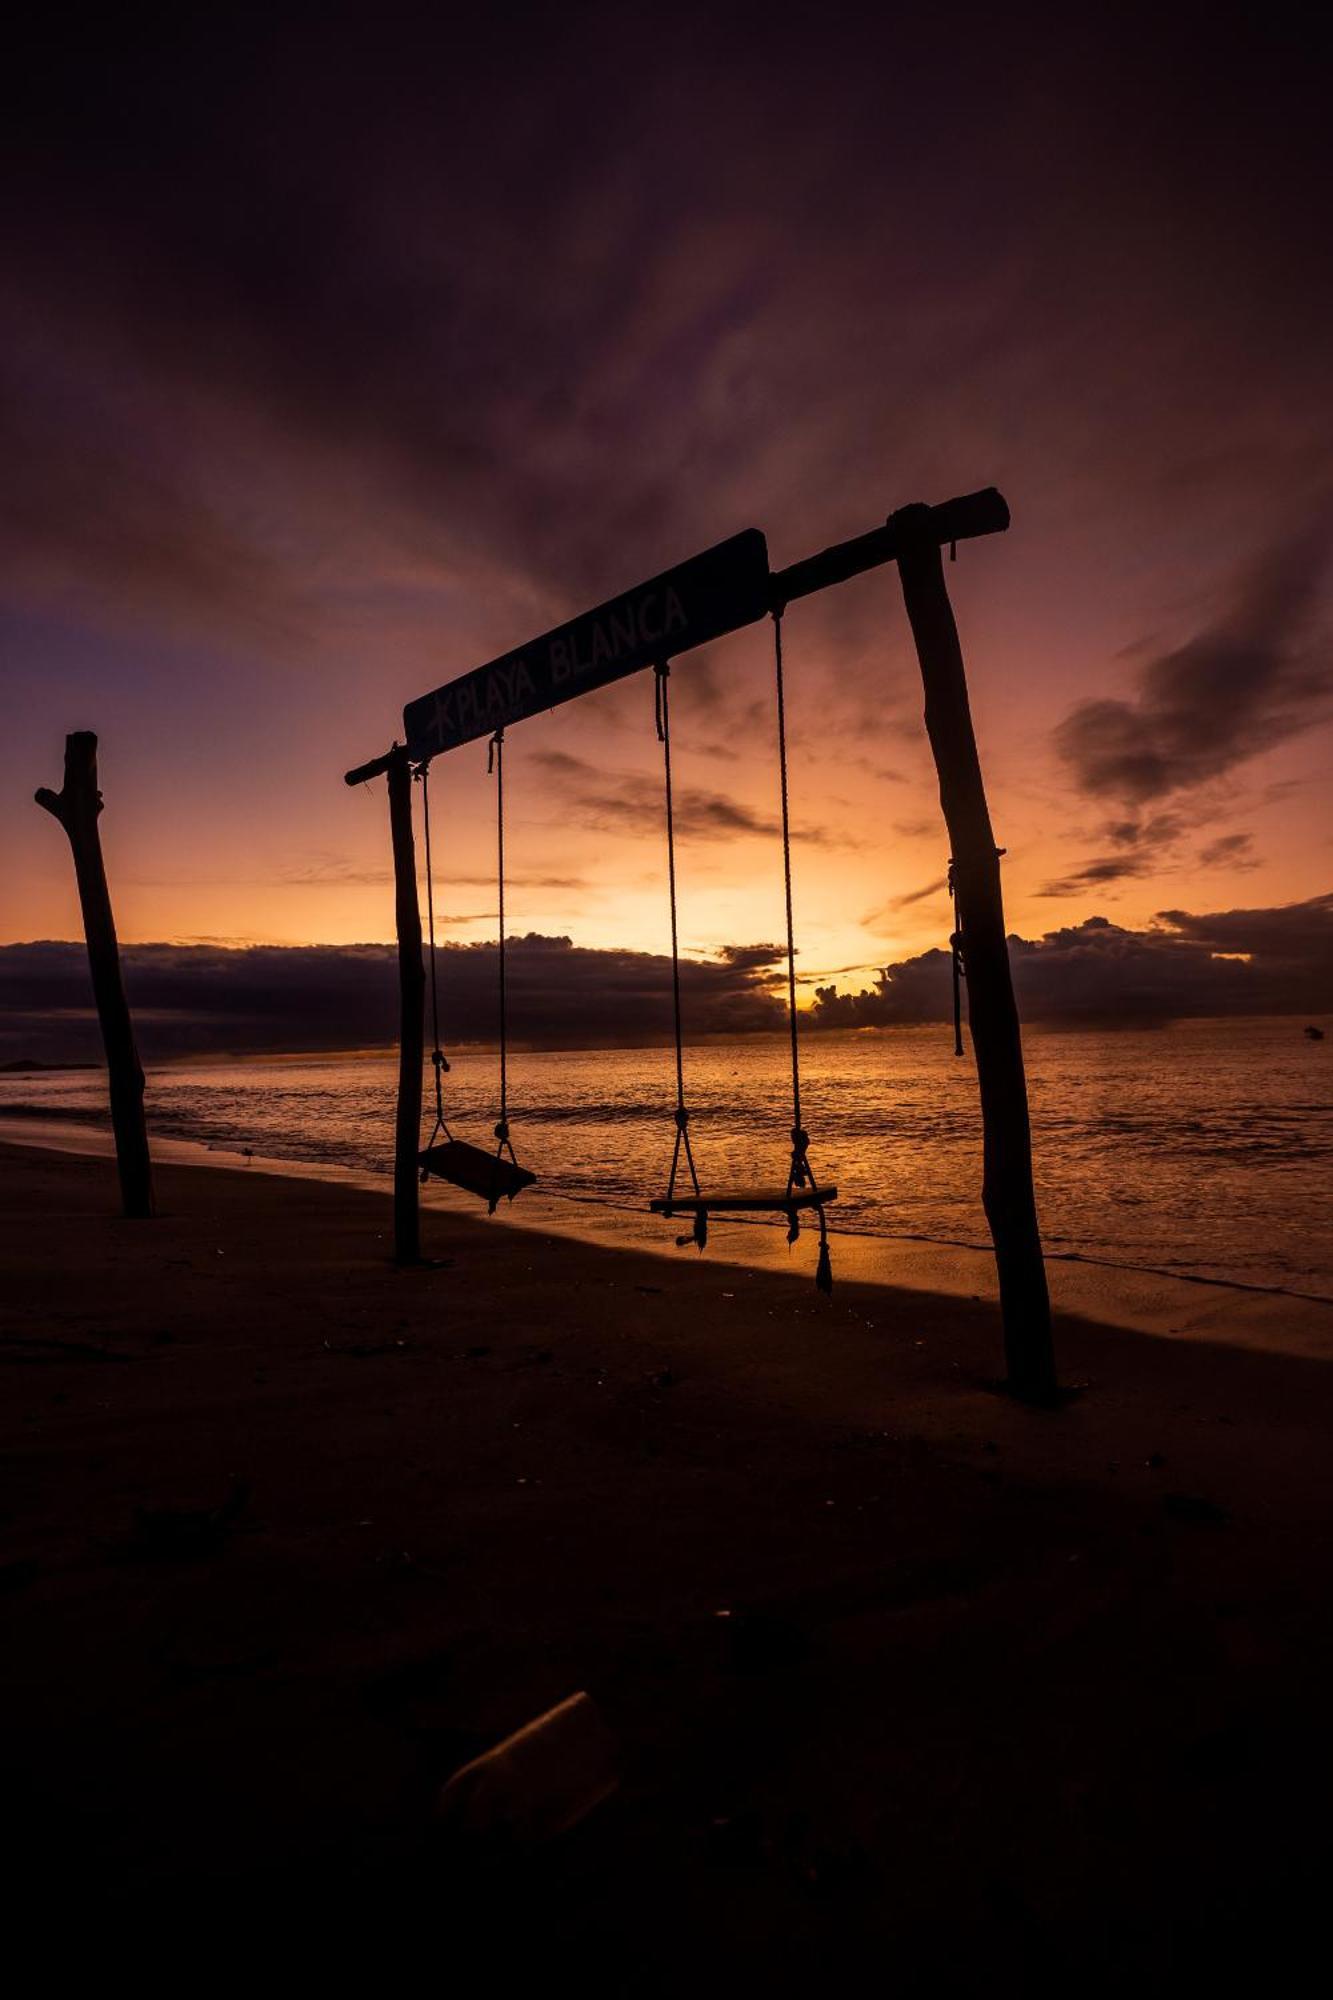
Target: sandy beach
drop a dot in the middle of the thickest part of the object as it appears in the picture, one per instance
(901, 1675)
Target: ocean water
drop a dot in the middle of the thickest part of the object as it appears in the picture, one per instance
(1203, 1147)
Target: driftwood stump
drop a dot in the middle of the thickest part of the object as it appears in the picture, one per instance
(77, 806)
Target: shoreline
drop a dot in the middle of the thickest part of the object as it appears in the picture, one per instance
(1140, 1299)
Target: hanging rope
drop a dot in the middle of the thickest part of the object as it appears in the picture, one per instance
(662, 709)
(956, 951)
(786, 878)
(495, 764)
(437, 1055)
(800, 1173)
(802, 1189)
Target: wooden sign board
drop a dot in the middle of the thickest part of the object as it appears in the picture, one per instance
(713, 593)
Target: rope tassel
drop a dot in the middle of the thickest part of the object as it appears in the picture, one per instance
(824, 1268)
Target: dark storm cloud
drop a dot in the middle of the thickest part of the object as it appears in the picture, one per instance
(1297, 938)
(1229, 850)
(633, 805)
(208, 1000)
(1099, 873)
(1231, 962)
(920, 895)
(202, 1000)
(563, 290)
(886, 911)
(751, 957)
(387, 244)
(1244, 683)
(1144, 845)
(1158, 830)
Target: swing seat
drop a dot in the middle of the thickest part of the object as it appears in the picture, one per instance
(475, 1170)
(744, 1201)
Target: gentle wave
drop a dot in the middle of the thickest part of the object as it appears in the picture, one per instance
(1202, 1148)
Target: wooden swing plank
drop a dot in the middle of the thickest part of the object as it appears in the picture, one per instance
(740, 1200)
(475, 1170)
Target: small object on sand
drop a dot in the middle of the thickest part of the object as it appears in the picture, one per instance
(539, 1782)
(1313, 1034)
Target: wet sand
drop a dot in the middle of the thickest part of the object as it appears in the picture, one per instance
(909, 1683)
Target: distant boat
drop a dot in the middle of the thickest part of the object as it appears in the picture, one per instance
(1314, 1034)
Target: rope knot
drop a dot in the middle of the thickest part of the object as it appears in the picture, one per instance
(502, 1130)
(800, 1139)
(440, 1060)
(682, 1117)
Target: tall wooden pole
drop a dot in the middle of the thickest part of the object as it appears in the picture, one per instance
(411, 996)
(396, 765)
(1007, 1192)
(77, 806)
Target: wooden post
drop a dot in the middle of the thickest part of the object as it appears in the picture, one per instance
(411, 999)
(1007, 1192)
(397, 766)
(77, 806)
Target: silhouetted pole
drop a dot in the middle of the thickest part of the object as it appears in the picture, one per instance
(77, 806)
(411, 1001)
(1007, 1192)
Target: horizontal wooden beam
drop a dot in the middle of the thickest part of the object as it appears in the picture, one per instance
(960, 520)
(376, 768)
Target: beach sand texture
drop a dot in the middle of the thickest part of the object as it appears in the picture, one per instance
(902, 1675)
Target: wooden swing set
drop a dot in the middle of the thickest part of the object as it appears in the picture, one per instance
(721, 591)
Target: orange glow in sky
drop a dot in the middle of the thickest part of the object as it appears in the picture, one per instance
(309, 409)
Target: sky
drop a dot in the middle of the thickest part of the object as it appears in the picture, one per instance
(346, 351)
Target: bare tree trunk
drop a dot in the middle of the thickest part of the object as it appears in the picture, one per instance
(412, 988)
(1007, 1191)
(77, 807)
